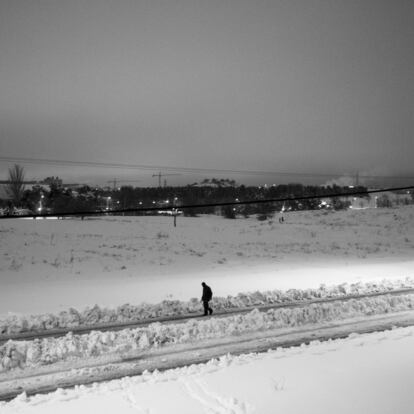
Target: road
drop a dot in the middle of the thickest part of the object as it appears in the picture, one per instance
(103, 369)
(30, 335)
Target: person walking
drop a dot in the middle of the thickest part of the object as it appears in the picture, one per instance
(207, 295)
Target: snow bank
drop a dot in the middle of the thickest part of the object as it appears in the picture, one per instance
(73, 318)
(370, 370)
(46, 351)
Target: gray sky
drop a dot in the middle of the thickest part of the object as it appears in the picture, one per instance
(297, 86)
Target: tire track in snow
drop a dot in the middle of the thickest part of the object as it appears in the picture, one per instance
(49, 382)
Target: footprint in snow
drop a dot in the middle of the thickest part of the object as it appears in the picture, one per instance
(132, 401)
(214, 403)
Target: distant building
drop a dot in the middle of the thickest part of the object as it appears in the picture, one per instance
(375, 200)
(382, 199)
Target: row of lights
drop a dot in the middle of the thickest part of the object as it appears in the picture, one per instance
(140, 203)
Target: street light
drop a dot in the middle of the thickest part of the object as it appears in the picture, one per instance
(174, 211)
(40, 208)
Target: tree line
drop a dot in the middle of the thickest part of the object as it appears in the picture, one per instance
(56, 198)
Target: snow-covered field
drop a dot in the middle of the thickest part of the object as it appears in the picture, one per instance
(50, 266)
(53, 265)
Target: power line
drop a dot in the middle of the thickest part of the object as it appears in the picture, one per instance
(189, 170)
(151, 167)
(222, 204)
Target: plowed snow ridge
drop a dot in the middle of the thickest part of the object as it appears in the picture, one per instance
(73, 318)
(35, 353)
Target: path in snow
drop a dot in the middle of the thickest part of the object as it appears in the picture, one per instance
(124, 363)
(362, 374)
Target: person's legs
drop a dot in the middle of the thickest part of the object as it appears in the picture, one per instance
(206, 308)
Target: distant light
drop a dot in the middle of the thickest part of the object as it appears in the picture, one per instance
(350, 186)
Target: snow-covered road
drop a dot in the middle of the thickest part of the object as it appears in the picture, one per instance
(362, 374)
(126, 361)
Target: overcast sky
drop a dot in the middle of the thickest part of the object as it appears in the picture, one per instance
(294, 86)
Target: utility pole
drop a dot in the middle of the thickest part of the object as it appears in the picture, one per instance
(175, 211)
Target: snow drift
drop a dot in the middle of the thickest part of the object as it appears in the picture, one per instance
(14, 354)
(73, 318)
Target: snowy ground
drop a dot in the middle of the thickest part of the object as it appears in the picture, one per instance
(361, 374)
(53, 265)
(88, 348)
(97, 318)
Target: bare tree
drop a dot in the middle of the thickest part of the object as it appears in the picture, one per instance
(15, 186)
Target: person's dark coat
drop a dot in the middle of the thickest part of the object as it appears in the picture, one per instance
(207, 293)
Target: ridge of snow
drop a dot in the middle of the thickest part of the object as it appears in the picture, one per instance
(68, 400)
(38, 352)
(73, 318)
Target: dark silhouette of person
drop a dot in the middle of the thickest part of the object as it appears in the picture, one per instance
(207, 295)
